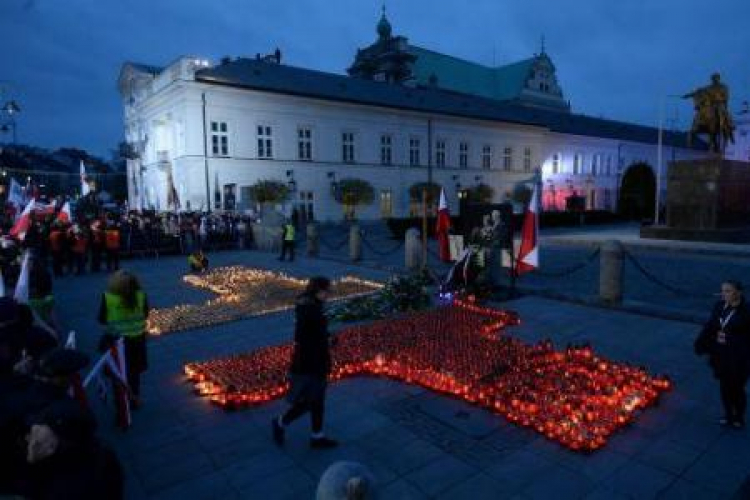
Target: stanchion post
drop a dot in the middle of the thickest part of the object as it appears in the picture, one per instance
(355, 243)
(412, 249)
(610, 272)
(313, 244)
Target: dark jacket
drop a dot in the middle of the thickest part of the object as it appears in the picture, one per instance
(311, 351)
(733, 357)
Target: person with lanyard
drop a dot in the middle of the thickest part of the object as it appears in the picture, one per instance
(725, 338)
(124, 310)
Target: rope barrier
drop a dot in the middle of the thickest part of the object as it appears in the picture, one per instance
(654, 279)
(570, 270)
(335, 247)
(381, 253)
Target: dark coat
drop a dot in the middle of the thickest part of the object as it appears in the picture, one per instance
(311, 349)
(731, 359)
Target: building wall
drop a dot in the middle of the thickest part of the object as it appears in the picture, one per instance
(740, 150)
(167, 121)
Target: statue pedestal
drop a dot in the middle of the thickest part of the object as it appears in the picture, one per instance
(707, 200)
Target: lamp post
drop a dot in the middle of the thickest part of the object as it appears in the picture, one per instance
(659, 156)
(205, 154)
(11, 108)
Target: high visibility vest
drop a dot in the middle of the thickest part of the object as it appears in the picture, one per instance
(123, 321)
(112, 239)
(289, 232)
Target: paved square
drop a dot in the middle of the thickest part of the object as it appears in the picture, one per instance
(181, 446)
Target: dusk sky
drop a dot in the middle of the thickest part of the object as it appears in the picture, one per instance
(617, 59)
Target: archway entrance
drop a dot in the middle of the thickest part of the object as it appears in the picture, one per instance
(637, 193)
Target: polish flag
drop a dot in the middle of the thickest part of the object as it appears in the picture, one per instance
(443, 225)
(85, 188)
(65, 215)
(24, 221)
(528, 254)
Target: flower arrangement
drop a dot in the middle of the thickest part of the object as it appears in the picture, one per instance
(401, 293)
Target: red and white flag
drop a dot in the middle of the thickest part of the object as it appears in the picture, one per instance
(85, 188)
(23, 222)
(114, 365)
(528, 253)
(443, 225)
(65, 215)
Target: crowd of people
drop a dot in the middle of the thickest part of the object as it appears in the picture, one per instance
(50, 446)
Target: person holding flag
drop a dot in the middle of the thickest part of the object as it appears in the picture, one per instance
(124, 310)
(528, 253)
(443, 225)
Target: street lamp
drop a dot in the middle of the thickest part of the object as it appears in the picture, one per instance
(11, 108)
(659, 156)
(291, 183)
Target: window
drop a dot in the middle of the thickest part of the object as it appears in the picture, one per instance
(347, 147)
(265, 142)
(386, 203)
(440, 153)
(414, 152)
(219, 139)
(577, 162)
(487, 156)
(609, 164)
(304, 144)
(556, 163)
(508, 159)
(463, 155)
(527, 159)
(386, 150)
(306, 207)
(595, 164)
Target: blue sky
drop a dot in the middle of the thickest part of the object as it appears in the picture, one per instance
(61, 58)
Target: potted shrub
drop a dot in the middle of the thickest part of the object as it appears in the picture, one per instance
(353, 192)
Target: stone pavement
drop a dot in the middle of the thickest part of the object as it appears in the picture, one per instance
(418, 444)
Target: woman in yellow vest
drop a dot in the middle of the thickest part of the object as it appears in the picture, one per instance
(124, 309)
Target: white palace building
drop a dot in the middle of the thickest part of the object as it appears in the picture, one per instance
(212, 131)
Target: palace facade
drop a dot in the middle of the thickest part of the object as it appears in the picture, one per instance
(208, 132)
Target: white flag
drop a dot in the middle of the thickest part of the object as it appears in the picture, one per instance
(15, 194)
(71, 342)
(85, 188)
(22, 287)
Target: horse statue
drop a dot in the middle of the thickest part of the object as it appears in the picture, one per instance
(711, 115)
